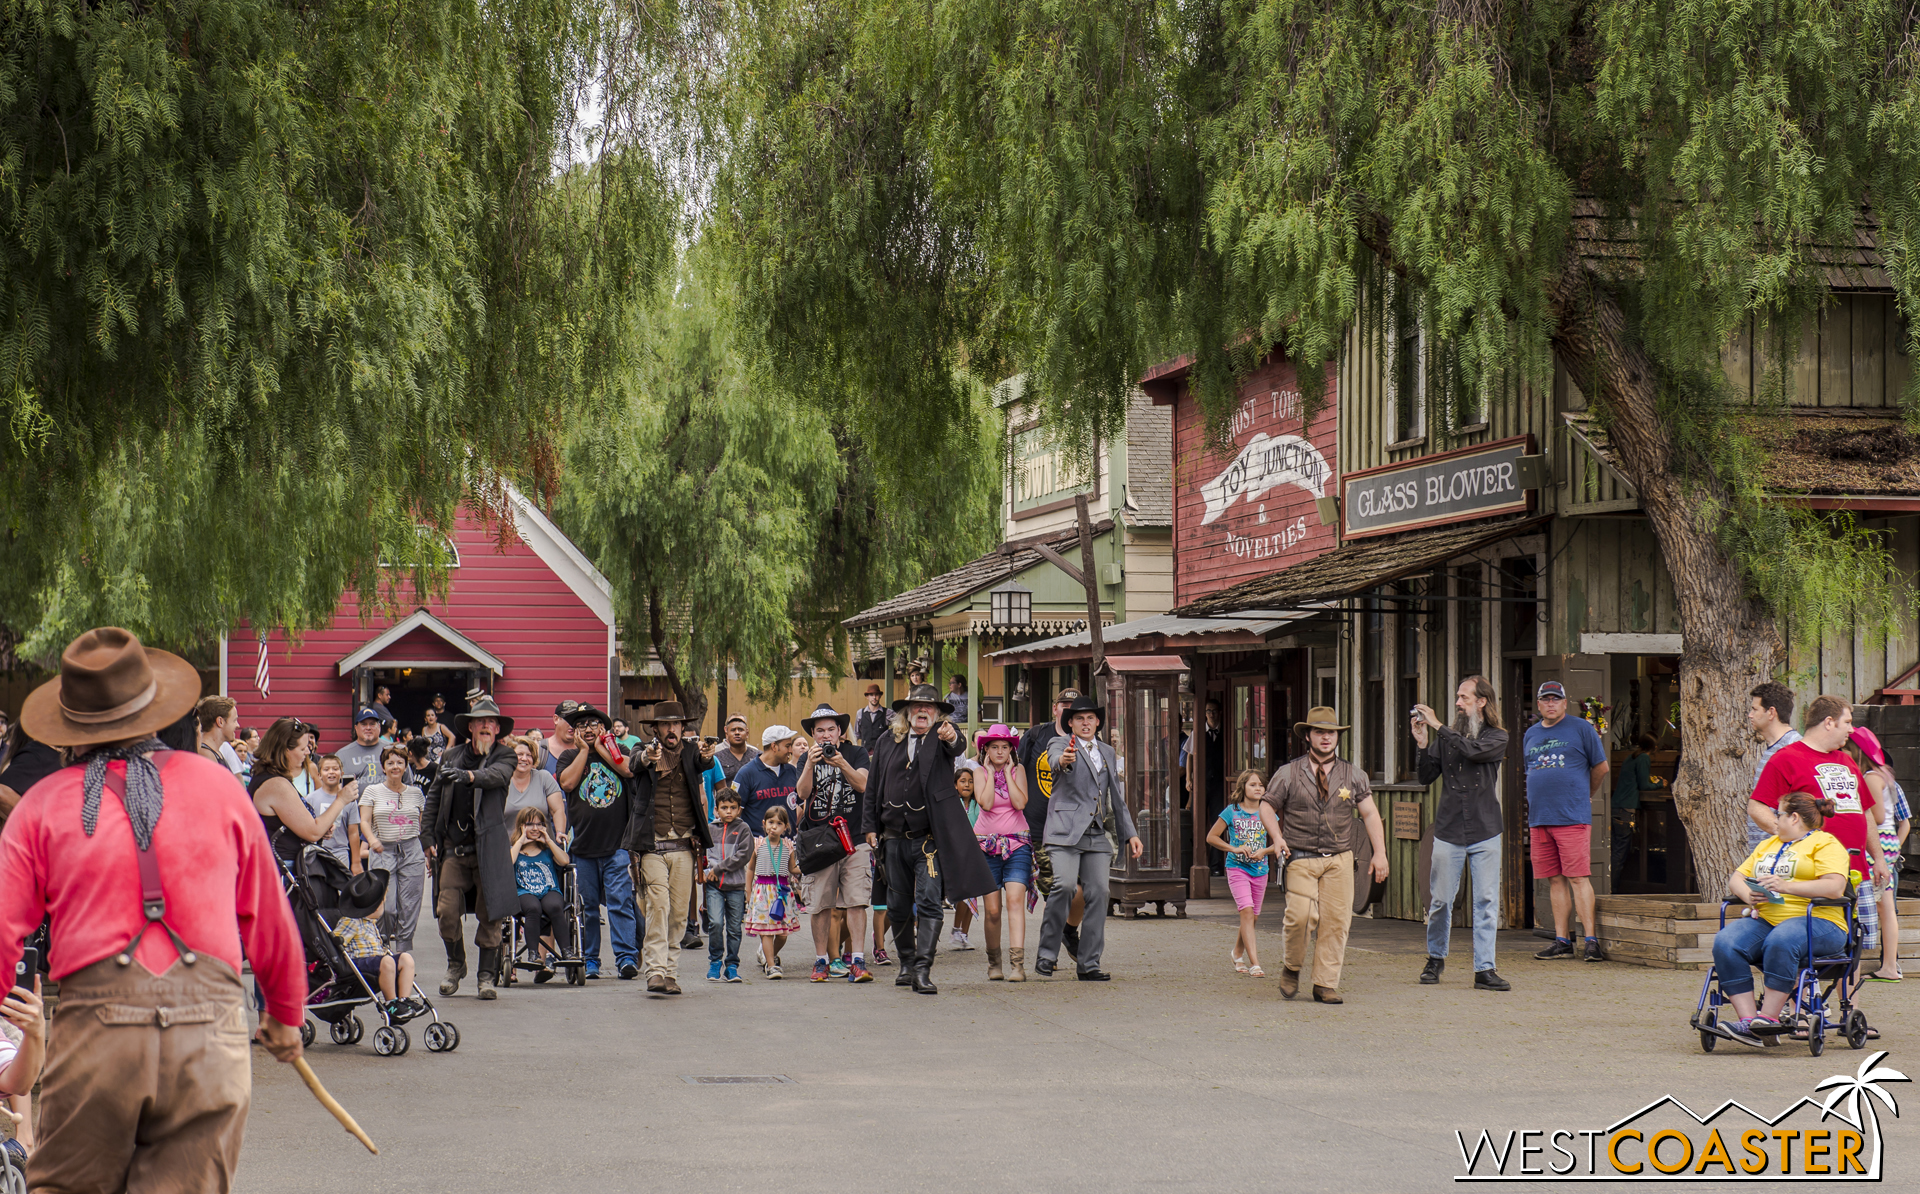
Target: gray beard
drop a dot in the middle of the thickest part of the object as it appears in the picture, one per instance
(1467, 726)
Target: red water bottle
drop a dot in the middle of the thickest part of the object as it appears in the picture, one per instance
(840, 827)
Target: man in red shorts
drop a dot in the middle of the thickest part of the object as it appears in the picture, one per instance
(1566, 766)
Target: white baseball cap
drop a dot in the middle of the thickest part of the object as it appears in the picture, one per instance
(773, 734)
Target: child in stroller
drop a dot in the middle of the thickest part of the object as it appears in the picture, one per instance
(360, 939)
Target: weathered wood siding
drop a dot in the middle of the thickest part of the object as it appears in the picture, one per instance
(1852, 355)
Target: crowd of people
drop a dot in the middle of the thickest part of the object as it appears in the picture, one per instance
(870, 826)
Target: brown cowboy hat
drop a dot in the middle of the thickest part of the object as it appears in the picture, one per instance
(110, 688)
(1319, 718)
(667, 711)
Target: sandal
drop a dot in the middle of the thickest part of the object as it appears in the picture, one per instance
(1239, 964)
(1877, 977)
(1256, 972)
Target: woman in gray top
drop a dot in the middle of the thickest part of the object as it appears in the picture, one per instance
(535, 787)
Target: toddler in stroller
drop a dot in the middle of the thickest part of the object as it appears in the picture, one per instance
(360, 938)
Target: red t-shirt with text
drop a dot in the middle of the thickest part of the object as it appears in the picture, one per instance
(1800, 768)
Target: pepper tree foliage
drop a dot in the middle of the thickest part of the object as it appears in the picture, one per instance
(280, 282)
(738, 523)
(1084, 187)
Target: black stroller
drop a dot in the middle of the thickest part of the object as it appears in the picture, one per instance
(568, 937)
(320, 889)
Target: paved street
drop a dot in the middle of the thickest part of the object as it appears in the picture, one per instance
(1177, 1075)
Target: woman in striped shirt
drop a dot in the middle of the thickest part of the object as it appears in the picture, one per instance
(390, 823)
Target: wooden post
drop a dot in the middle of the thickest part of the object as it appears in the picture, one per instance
(888, 682)
(1092, 581)
(973, 680)
(1199, 878)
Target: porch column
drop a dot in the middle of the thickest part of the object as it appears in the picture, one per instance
(888, 682)
(1199, 878)
(973, 679)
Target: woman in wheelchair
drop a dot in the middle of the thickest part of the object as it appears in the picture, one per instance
(536, 862)
(1801, 862)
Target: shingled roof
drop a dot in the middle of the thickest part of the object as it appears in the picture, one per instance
(1611, 249)
(1149, 463)
(988, 570)
(1812, 451)
(1356, 567)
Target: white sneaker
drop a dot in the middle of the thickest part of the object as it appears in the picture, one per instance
(960, 940)
(774, 972)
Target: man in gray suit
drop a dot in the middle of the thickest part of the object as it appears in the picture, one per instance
(1086, 816)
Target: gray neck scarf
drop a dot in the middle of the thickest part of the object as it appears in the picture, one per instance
(143, 796)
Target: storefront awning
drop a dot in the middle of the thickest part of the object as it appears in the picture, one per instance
(1159, 632)
(1823, 458)
(1145, 663)
(924, 601)
(1354, 568)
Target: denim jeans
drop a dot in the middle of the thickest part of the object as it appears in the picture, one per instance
(1483, 858)
(607, 881)
(725, 912)
(1780, 949)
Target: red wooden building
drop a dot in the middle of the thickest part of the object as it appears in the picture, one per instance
(531, 622)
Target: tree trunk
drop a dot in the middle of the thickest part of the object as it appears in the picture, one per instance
(1730, 641)
(692, 699)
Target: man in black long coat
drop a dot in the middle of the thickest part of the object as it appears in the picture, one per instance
(464, 828)
(916, 819)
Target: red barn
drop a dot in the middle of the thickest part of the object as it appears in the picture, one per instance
(531, 622)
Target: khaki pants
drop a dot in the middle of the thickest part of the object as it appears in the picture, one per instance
(459, 874)
(1319, 898)
(148, 1081)
(666, 882)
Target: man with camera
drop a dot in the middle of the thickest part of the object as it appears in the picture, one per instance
(1466, 758)
(831, 791)
(667, 836)
(598, 781)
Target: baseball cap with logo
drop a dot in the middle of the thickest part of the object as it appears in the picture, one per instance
(1066, 696)
(367, 715)
(1551, 688)
(565, 707)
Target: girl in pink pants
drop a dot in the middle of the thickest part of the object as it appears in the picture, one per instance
(1241, 835)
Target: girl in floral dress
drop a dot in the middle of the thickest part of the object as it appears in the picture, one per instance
(773, 909)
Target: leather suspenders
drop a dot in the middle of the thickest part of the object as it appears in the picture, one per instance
(153, 901)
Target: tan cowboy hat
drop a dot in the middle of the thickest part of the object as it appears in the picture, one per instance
(1319, 718)
(110, 688)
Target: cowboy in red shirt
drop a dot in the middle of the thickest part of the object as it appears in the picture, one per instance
(157, 875)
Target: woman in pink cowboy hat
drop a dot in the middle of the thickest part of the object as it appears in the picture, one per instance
(1000, 788)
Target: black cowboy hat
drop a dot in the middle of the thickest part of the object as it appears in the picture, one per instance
(580, 713)
(1084, 704)
(923, 694)
(363, 893)
(481, 705)
(826, 710)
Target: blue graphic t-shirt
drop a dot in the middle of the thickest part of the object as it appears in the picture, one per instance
(1559, 760)
(534, 874)
(1245, 830)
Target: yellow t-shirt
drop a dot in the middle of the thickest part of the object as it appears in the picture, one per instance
(1819, 853)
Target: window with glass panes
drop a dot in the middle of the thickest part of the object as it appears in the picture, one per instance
(1469, 645)
(1407, 618)
(1373, 693)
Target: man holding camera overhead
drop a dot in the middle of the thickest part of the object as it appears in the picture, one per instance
(833, 781)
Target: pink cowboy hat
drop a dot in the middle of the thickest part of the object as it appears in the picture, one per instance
(997, 732)
(1869, 745)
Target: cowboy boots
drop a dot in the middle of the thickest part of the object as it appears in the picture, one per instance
(927, 946)
(1017, 964)
(489, 966)
(456, 967)
(903, 945)
(994, 973)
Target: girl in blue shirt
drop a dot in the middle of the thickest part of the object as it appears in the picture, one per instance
(537, 860)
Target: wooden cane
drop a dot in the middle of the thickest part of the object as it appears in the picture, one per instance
(326, 1100)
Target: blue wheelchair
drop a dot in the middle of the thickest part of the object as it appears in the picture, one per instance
(1812, 1005)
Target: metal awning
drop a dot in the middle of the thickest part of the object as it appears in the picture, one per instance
(1157, 632)
(1145, 663)
(1354, 568)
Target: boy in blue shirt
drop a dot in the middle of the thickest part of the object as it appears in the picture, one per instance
(1566, 764)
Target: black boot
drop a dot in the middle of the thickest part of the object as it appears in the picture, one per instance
(456, 966)
(489, 966)
(923, 955)
(903, 946)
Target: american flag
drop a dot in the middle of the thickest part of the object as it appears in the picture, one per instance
(260, 678)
